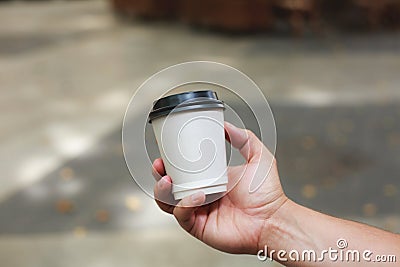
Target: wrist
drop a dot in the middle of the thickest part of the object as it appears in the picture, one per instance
(284, 229)
(273, 226)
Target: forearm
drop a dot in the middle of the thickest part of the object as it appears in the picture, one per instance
(302, 230)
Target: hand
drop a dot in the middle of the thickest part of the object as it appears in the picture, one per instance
(236, 222)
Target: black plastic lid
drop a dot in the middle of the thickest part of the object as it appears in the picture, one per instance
(185, 101)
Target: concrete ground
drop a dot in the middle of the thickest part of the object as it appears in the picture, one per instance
(67, 72)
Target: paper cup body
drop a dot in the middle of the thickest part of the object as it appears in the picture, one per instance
(192, 145)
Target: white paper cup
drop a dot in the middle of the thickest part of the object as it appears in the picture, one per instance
(189, 129)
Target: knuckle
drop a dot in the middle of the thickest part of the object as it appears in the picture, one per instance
(252, 137)
(249, 133)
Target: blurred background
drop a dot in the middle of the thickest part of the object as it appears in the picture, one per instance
(330, 70)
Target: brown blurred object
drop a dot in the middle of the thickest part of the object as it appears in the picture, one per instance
(262, 15)
(152, 9)
(238, 15)
(191, 11)
(64, 206)
(102, 216)
(299, 12)
(377, 11)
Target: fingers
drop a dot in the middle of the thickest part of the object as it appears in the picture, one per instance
(163, 194)
(158, 169)
(184, 212)
(163, 188)
(246, 141)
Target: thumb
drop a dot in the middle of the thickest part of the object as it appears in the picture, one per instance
(184, 212)
(245, 141)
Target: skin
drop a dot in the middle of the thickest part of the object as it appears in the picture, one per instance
(244, 223)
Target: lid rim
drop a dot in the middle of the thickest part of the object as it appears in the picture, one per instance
(165, 112)
(185, 101)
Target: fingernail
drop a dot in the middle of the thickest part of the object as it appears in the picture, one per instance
(228, 124)
(197, 198)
